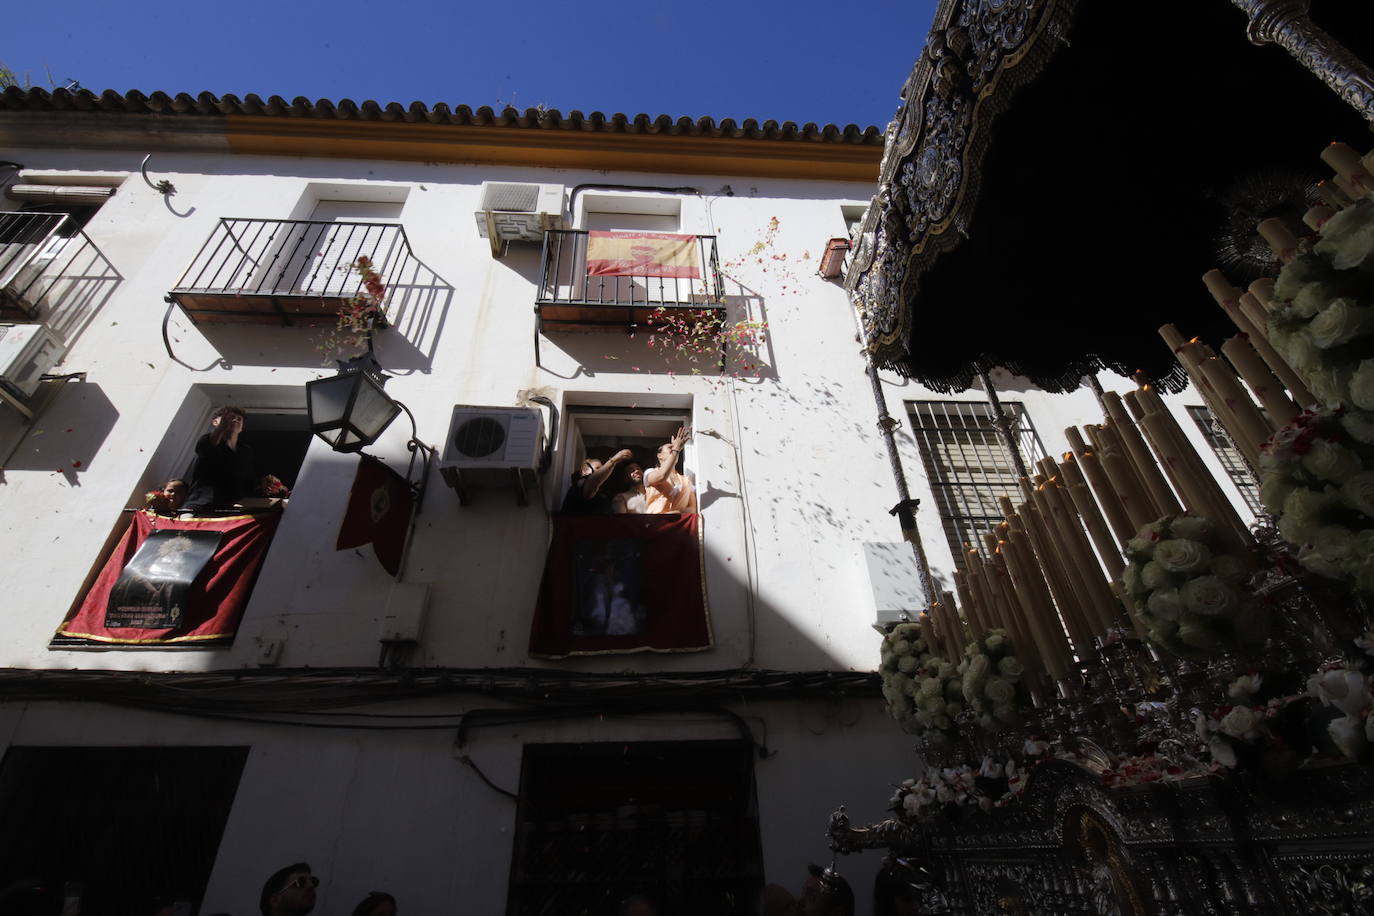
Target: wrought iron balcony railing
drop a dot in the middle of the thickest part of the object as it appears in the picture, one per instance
(569, 297)
(286, 271)
(29, 243)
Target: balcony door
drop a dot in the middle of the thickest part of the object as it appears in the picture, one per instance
(317, 256)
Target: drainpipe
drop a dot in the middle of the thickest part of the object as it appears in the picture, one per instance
(905, 510)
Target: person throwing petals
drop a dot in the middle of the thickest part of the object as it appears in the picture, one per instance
(668, 489)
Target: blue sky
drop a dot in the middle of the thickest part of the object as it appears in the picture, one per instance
(802, 61)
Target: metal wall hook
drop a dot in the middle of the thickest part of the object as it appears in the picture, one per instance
(163, 187)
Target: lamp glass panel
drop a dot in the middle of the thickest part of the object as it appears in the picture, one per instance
(373, 411)
(327, 400)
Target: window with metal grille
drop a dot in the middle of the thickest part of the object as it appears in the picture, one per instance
(970, 466)
(1229, 456)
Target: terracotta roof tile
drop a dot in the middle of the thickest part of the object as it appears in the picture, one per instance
(15, 99)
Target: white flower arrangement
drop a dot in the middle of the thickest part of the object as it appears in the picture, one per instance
(990, 676)
(1324, 326)
(1317, 478)
(991, 785)
(1191, 598)
(1348, 691)
(922, 691)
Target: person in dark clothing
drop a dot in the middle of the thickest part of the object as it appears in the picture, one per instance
(223, 469)
(290, 891)
(588, 494)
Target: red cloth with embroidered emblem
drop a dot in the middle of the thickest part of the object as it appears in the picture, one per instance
(379, 509)
(622, 583)
(215, 602)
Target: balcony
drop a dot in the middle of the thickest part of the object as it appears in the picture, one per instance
(290, 272)
(30, 244)
(572, 297)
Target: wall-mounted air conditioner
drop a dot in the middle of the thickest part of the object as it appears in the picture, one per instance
(493, 447)
(27, 351)
(512, 212)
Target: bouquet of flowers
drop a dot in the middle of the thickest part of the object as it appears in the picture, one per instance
(991, 785)
(1324, 328)
(157, 502)
(1345, 690)
(922, 690)
(1190, 596)
(1318, 479)
(272, 487)
(988, 679)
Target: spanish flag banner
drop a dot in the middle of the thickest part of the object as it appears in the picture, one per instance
(642, 254)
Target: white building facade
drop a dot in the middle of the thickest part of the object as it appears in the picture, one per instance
(462, 773)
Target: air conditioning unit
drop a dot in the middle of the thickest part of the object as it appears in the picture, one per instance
(27, 351)
(493, 447)
(512, 212)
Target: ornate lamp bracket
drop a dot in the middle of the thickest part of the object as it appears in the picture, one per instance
(1285, 23)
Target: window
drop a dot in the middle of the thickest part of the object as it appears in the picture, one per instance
(676, 822)
(969, 465)
(631, 213)
(208, 605)
(1230, 457)
(115, 827)
(600, 432)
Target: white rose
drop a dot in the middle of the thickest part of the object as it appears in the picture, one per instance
(1302, 270)
(1358, 492)
(994, 642)
(1348, 734)
(1348, 243)
(1313, 297)
(1140, 548)
(1340, 688)
(1194, 632)
(999, 691)
(1165, 603)
(1342, 321)
(1275, 489)
(912, 804)
(901, 647)
(1362, 385)
(1240, 722)
(1350, 220)
(1230, 568)
(1130, 579)
(1193, 528)
(1298, 351)
(1360, 425)
(1153, 575)
(1005, 713)
(1010, 667)
(1330, 384)
(929, 687)
(932, 705)
(1331, 461)
(1302, 513)
(953, 708)
(907, 664)
(1245, 686)
(1222, 753)
(1337, 543)
(1178, 555)
(1210, 596)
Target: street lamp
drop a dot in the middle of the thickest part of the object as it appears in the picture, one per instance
(350, 410)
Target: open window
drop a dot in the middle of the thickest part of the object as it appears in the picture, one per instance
(169, 579)
(600, 432)
(617, 583)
